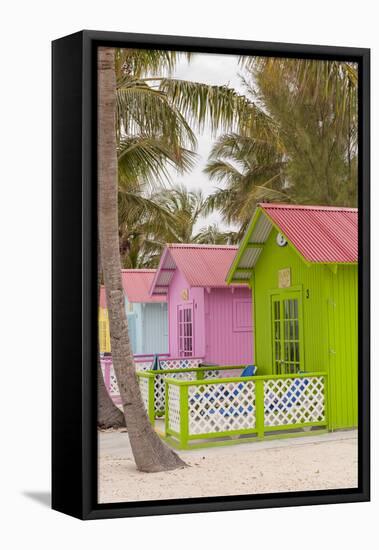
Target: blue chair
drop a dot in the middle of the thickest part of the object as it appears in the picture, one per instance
(249, 370)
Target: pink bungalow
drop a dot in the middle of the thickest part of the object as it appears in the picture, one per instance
(207, 318)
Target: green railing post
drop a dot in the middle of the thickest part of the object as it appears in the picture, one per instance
(259, 408)
(151, 400)
(183, 417)
(199, 375)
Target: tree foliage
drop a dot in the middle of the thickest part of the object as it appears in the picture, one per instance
(155, 121)
(296, 141)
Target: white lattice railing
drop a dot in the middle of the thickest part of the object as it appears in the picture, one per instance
(109, 376)
(294, 401)
(143, 366)
(214, 408)
(144, 388)
(159, 387)
(174, 407)
(258, 405)
(197, 373)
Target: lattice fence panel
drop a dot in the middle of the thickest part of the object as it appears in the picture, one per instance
(294, 401)
(143, 365)
(174, 408)
(144, 387)
(159, 387)
(179, 363)
(165, 364)
(109, 378)
(223, 373)
(217, 408)
(211, 374)
(113, 386)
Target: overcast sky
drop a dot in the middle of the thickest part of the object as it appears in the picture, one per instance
(211, 69)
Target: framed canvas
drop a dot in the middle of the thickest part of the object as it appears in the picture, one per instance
(210, 275)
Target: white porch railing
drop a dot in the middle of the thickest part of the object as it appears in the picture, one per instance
(198, 406)
(144, 364)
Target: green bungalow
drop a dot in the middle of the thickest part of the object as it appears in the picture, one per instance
(301, 265)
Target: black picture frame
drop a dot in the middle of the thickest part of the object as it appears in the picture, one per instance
(74, 315)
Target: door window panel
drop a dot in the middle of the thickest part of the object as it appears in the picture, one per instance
(286, 339)
(185, 330)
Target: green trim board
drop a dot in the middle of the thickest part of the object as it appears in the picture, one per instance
(152, 373)
(245, 378)
(241, 249)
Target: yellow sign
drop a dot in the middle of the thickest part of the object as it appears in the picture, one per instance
(184, 294)
(284, 277)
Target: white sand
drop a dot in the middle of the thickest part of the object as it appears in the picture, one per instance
(326, 461)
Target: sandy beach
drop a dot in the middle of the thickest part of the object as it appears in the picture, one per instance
(327, 461)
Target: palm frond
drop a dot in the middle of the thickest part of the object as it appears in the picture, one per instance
(212, 234)
(219, 107)
(147, 159)
(142, 110)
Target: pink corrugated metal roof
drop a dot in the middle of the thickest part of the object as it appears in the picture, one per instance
(201, 265)
(320, 233)
(137, 283)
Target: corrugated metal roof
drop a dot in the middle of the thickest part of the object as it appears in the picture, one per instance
(323, 234)
(201, 265)
(136, 283)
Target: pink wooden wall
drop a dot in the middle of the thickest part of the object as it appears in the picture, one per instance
(222, 322)
(228, 326)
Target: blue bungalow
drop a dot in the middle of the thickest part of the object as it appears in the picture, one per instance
(147, 315)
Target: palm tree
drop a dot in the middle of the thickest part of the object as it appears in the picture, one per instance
(143, 222)
(186, 208)
(153, 104)
(149, 452)
(250, 170)
(132, 105)
(143, 164)
(147, 221)
(297, 140)
(108, 415)
(315, 107)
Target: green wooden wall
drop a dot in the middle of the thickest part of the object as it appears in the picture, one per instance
(343, 346)
(328, 305)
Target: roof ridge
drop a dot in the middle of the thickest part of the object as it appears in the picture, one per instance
(195, 245)
(138, 270)
(286, 206)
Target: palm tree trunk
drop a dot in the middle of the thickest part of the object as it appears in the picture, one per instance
(108, 415)
(150, 453)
